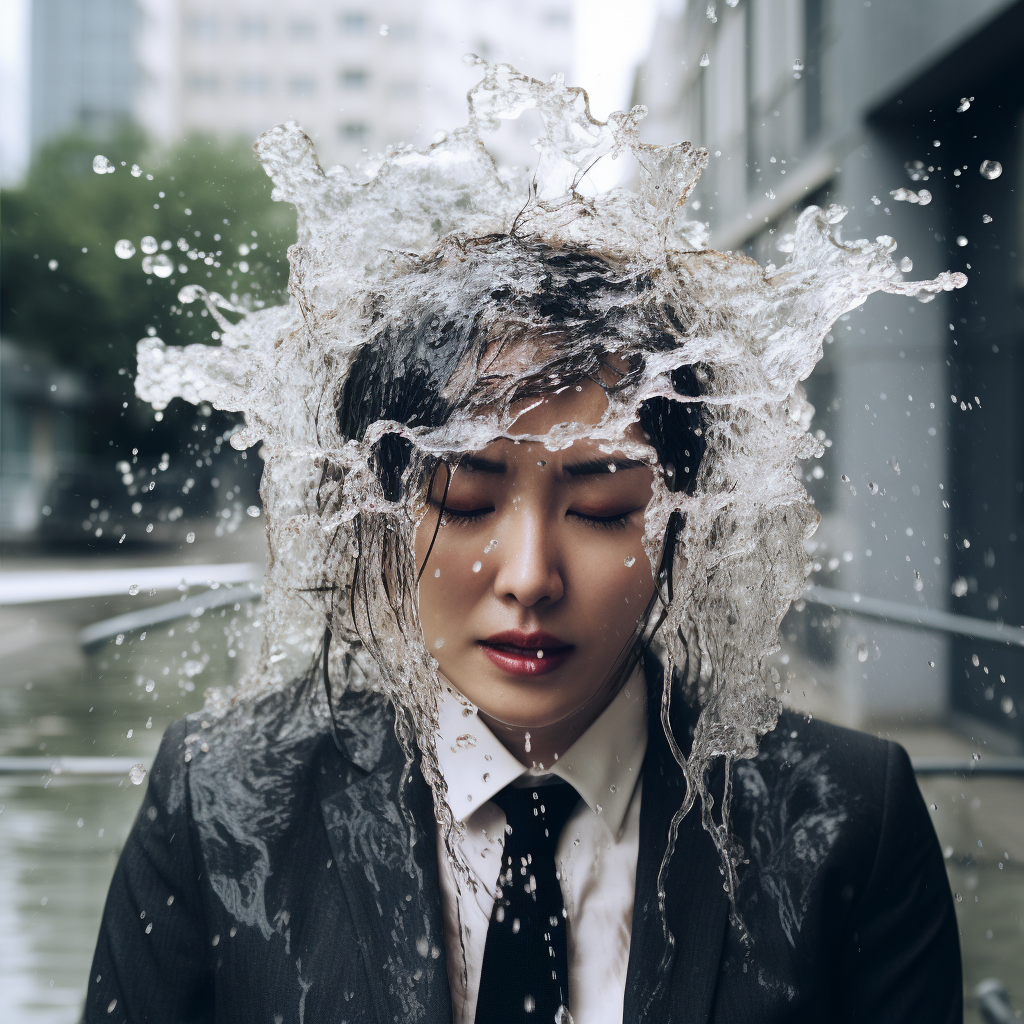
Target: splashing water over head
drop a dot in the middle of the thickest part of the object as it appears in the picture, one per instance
(429, 296)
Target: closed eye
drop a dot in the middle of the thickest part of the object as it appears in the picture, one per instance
(464, 516)
(615, 522)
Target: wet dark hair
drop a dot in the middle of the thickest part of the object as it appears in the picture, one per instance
(498, 291)
(406, 372)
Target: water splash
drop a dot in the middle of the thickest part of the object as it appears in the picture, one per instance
(433, 229)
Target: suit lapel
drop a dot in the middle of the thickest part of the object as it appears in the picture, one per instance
(386, 858)
(674, 980)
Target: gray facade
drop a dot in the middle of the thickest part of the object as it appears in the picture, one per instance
(83, 69)
(831, 101)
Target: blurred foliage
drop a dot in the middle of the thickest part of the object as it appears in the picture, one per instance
(88, 312)
(68, 297)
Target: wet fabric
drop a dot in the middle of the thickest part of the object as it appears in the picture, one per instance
(335, 912)
(525, 973)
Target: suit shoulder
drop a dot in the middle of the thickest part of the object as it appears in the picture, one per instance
(845, 751)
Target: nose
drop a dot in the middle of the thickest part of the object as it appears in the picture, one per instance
(529, 568)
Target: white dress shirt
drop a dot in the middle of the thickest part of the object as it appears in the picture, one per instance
(596, 855)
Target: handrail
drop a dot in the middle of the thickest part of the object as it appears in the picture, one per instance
(967, 766)
(146, 618)
(77, 766)
(920, 618)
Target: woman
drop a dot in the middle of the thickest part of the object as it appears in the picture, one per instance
(491, 816)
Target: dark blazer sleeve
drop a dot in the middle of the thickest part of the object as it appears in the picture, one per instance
(902, 961)
(151, 960)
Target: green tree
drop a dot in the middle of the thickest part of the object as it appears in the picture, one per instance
(66, 291)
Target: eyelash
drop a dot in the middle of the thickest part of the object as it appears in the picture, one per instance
(464, 518)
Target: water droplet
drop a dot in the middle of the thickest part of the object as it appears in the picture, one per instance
(137, 773)
(931, 664)
(862, 652)
(986, 219)
(963, 106)
(477, 566)
(959, 898)
(53, 264)
(437, 574)
(253, 511)
(101, 165)
(136, 170)
(160, 265)
(991, 169)
(491, 545)
(439, 643)
(133, 589)
(149, 244)
(124, 249)
(906, 264)
(705, 61)
(798, 65)
(527, 743)
(959, 587)
(873, 488)
(976, 756)
(629, 561)
(961, 240)
(190, 537)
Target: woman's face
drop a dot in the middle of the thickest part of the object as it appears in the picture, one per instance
(538, 576)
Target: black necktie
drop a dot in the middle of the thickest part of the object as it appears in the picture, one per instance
(525, 974)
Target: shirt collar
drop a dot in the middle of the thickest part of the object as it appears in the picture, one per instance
(603, 765)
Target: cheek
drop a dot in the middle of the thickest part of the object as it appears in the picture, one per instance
(613, 582)
(448, 587)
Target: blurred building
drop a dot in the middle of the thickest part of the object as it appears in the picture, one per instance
(82, 66)
(922, 487)
(358, 76)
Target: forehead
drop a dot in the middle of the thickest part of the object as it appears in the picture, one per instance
(584, 404)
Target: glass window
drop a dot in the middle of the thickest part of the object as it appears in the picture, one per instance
(202, 82)
(353, 131)
(253, 84)
(354, 22)
(252, 27)
(302, 85)
(203, 26)
(354, 78)
(301, 28)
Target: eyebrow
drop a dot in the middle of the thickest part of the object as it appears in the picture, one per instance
(591, 467)
(478, 464)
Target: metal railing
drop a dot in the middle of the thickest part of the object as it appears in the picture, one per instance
(918, 617)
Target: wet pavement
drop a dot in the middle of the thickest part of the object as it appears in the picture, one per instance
(60, 835)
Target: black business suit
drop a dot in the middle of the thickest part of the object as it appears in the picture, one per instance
(335, 907)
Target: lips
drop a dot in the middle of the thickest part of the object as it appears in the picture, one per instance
(526, 654)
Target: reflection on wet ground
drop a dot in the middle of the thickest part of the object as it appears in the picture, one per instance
(60, 835)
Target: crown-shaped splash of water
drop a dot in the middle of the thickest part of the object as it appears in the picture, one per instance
(404, 231)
